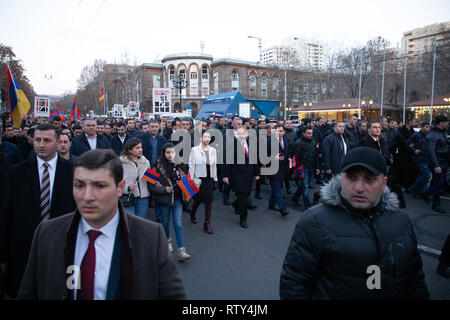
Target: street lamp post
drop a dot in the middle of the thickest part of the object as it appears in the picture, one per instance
(180, 84)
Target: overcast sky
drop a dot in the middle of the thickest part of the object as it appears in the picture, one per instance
(58, 38)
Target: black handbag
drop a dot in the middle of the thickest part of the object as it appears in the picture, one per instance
(127, 199)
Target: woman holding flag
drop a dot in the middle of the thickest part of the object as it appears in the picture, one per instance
(134, 166)
(173, 184)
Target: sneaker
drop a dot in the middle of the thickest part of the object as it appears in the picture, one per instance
(182, 254)
(170, 245)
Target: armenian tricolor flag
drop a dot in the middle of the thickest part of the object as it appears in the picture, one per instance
(74, 114)
(292, 163)
(18, 102)
(188, 186)
(102, 95)
(59, 113)
(151, 176)
(299, 172)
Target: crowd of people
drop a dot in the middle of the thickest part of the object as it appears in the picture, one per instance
(37, 163)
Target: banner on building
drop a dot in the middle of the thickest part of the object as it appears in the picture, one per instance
(118, 111)
(42, 107)
(244, 110)
(132, 109)
(162, 100)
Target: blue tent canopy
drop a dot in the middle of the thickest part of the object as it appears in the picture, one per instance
(224, 104)
(269, 108)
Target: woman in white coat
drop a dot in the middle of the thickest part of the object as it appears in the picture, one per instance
(203, 171)
(134, 166)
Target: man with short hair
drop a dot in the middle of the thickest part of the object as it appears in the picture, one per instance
(277, 179)
(38, 189)
(57, 122)
(77, 130)
(64, 143)
(10, 135)
(27, 146)
(144, 127)
(439, 155)
(355, 244)
(152, 142)
(131, 129)
(100, 127)
(374, 141)
(335, 147)
(90, 140)
(119, 139)
(115, 255)
(419, 143)
(306, 154)
(351, 131)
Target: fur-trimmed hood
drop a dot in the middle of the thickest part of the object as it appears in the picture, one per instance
(330, 195)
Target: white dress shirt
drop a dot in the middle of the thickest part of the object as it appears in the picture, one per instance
(122, 139)
(51, 171)
(104, 247)
(344, 144)
(92, 142)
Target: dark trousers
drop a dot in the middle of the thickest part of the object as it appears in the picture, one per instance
(444, 259)
(241, 204)
(226, 192)
(276, 195)
(303, 189)
(437, 183)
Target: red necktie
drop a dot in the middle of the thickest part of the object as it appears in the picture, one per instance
(87, 270)
(245, 149)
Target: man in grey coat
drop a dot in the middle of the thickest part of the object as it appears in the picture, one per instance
(100, 252)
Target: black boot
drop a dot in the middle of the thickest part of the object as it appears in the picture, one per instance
(207, 224)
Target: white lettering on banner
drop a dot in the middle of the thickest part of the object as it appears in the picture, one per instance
(374, 281)
(75, 272)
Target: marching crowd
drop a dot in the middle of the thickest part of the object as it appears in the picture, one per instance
(37, 163)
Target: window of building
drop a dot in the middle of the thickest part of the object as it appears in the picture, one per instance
(234, 76)
(205, 72)
(171, 73)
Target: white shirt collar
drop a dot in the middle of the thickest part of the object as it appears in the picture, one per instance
(87, 137)
(107, 230)
(51, 162)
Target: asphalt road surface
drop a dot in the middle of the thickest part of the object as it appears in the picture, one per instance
(245, 264)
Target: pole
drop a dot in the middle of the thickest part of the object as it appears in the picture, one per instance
(432, 81)
(382, 83)
(404, 88)
(137, 95)
(285, 92)
(360, 81)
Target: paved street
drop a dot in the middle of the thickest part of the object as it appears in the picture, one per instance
(245, 264)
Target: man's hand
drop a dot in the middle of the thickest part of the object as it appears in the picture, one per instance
(256, 178)
(437, 170)
(328, 172)
(317, 172)
(418, 151)
(226, 180)
(168, 189)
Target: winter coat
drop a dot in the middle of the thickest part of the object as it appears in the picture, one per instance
(306, 152)
(334, 245)
(368, 141)
(116, 143)
(81, 145)
(162, 198)
(438, 146)
(352, 135)
(333, 152)
(420, 142)
(197, 163)
(132, 172)
(283, 165)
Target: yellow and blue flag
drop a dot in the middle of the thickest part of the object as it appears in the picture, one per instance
(18, 102)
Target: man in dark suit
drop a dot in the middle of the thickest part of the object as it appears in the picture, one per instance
(240, 174)
(152, 142)
(335, 147)
(89, 140)
(100, 252)
(277, 179)
(131, 128)
(119, 139)
(38, 189)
